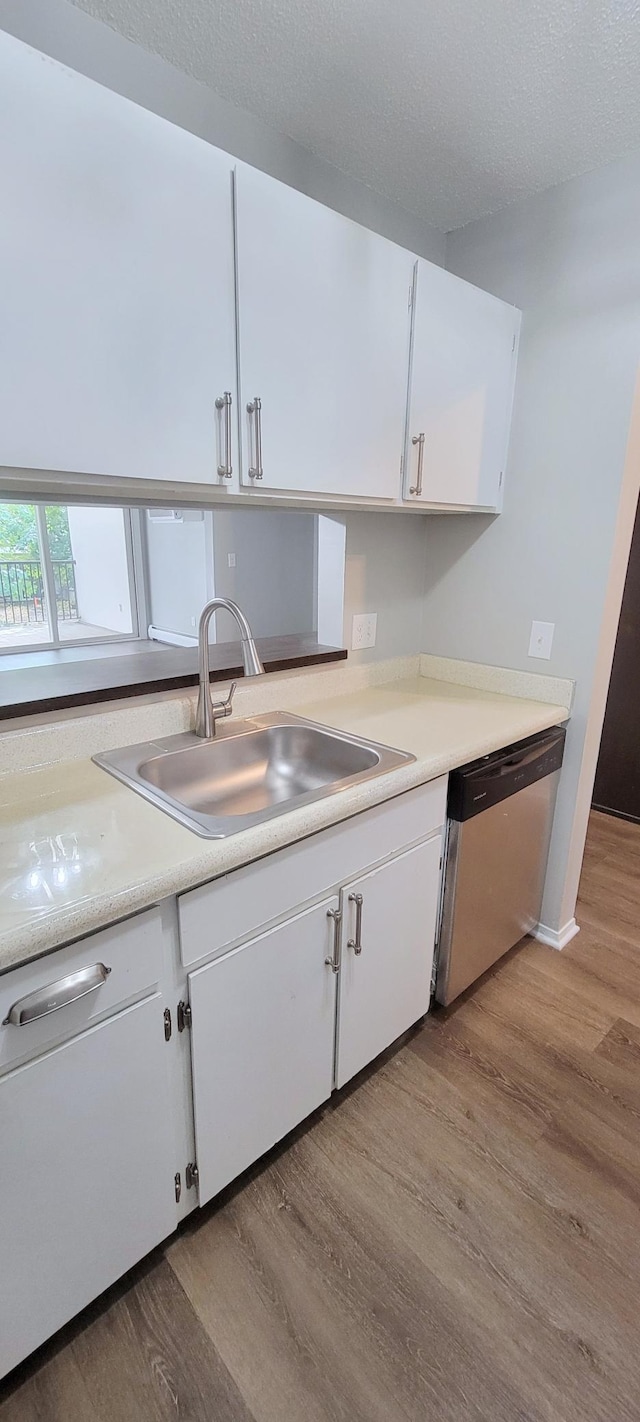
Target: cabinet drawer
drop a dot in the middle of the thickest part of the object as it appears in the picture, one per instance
(132, 950)
(235, 906)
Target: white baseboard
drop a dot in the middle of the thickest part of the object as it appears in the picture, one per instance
(556, 937)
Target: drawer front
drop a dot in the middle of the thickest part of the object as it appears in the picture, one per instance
(239, 904)
(132, 951)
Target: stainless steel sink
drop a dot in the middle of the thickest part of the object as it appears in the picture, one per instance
(250, 772)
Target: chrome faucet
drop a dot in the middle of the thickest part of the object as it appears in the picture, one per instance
(208, 711)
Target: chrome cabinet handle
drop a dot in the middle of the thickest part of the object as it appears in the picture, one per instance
(254, 410)
(56, 995)
(223, 404)
(334, 961)
(417, 487)
(356, 943)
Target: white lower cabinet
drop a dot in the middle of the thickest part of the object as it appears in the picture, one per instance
(388, 932)
(351, 973)
(262, 1042)
(86, 1171)
(102, 1090)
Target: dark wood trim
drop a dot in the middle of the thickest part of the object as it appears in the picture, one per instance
(31, 690)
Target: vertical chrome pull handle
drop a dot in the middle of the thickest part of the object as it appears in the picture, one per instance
(254, 411)
(417, 487)
(356, 943)
(223, 405)
(334, 961)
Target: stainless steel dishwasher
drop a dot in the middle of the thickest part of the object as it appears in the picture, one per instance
(499, 819)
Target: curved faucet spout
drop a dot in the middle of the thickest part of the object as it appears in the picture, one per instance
(208, 712)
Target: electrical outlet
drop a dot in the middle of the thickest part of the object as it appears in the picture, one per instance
(231, 560)
(541, 640)
(363, 631)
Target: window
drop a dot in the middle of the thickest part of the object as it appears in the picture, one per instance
(99, 602)
(66, 576)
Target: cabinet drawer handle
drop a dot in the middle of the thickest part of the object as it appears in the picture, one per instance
(356, 943)
(334, 961)
(417, 487)
(254, 410)
(56, 995)
(223, 404)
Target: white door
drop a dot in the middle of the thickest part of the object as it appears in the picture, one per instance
(86, 1172)
(263, 1026)
(463, 371)
(324, 338)
(385, 972)
(117, 290)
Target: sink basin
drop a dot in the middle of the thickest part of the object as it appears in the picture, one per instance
(250, 772)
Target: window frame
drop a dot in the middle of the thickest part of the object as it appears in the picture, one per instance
(136, 581)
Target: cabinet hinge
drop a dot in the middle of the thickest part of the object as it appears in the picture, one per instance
(177, 1186)
(167, 1024)
(184, 1015)
(410, 302)
(191, 1174)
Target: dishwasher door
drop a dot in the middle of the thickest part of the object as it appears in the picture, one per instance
(494, 879)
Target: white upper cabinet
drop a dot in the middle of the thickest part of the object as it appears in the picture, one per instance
(324, 334)
(461, 392)
(117, 284)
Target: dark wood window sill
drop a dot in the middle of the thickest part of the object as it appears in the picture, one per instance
(34, 682)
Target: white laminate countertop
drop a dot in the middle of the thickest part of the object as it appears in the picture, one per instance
(79, 850)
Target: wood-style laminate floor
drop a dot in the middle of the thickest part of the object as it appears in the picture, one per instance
(456, 1238)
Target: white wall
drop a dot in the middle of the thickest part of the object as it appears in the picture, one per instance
(570, 258)
(74, 38)
(274, 578)
(99, 550)
(385, 573)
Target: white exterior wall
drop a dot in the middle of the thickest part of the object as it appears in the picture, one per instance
(99, 550)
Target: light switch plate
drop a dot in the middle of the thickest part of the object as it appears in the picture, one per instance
(541, 640)
(363, 632)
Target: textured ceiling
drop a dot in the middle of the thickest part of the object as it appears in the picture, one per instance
(453, 108)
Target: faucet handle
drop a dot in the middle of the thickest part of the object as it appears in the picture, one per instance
(223, 708)
(229, 699)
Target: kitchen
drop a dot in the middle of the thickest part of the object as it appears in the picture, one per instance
(472, 476)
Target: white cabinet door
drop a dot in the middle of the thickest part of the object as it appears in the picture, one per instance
(463, 371)
(86, 1172)
(263, 1025)
(385, 973)
(117, 290)
(324, 338)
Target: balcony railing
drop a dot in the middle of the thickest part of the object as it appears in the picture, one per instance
(22, 593)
